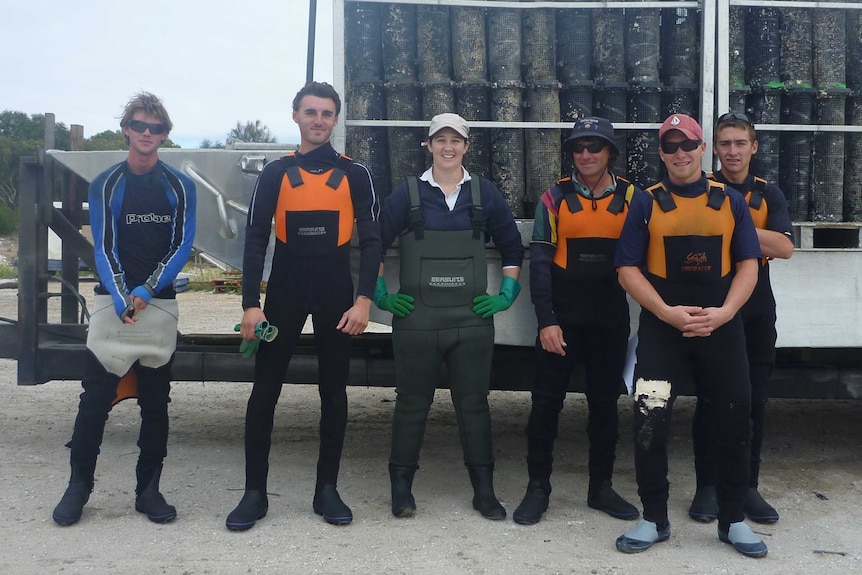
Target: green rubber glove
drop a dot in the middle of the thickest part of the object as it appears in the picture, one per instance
(399, 304)
(487, 305)
(263, 330)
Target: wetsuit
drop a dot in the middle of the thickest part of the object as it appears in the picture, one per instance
(574, 285)
(768, 208)
(143, 228)
(314, 199)
(687, 240)
(443, 267)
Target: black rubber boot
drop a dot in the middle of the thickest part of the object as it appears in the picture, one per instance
(604, 498)
(534, 504)
(484, 499)
(71, 506)
(151, 502)
(704, 505)
(757, 508)
(401, 478)
(253, 506)
(328, 503)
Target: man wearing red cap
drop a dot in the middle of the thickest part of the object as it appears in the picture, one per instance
(688, 254)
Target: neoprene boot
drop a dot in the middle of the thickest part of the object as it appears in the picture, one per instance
(602, 496)
(401, 479)
(704, 505)
(484, 499)
(253, 506)
(534, 503)
(71, 506)
(327, 502)
(151, 502)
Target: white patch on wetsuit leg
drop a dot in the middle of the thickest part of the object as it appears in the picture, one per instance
(652, 394)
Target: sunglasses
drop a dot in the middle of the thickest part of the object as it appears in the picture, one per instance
(686, 145)
(731, 116)
(592, 147)
(140, 127)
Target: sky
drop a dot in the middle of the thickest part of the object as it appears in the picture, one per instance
(212, 62)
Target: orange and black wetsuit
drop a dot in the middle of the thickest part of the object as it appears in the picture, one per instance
(314, 199)
(573, 284)
(688, 240)
(768, 208)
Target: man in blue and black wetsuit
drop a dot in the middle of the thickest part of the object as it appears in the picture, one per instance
(314, 195)
(142, 215)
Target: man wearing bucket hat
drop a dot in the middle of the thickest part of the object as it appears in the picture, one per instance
(582, 313)
(442, 313)
(688, 254)
(735, 143)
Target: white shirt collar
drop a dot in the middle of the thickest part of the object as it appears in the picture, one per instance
(451, 199)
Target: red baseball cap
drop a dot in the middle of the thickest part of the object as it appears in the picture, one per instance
(685, 124)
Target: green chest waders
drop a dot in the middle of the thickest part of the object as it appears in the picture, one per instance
(443, 271)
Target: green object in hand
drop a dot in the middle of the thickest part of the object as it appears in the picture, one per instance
(487, 305)
(248, 347)
(399, 304)
(263, 330)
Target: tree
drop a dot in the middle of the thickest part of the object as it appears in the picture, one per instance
(107, 140)
(207, 143)
(252, 132)
(20, 135)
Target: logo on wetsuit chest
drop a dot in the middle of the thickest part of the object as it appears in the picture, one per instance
(311, 231)
(150, 218)
(447, 281)
(697, 262)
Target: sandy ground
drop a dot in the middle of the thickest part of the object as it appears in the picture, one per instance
(812, 474)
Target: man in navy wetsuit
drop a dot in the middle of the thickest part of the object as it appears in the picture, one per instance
(142, 215)
(314, 195)
(688, 254)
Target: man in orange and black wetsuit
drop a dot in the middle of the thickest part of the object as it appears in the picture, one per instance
(735, 143)
(314, 195)
(582, 314)
(688, 254)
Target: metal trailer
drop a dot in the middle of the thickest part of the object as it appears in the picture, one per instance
(817, 290)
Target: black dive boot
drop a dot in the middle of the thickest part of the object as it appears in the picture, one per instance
(401, 478)
(71, 506)
(253, 506)
(327, 503)
(151, 502)
(534, 504)
(602, 496)
(484, 499)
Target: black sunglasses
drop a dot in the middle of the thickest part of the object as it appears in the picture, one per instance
(592, 147)
(140, 127)
(731, 116)
(686, 145)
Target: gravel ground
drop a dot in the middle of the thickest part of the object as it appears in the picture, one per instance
(812, 474)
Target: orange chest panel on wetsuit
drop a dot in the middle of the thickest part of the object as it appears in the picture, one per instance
(758, 214)
(690, 243)
(587, 231)
(314, 213)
